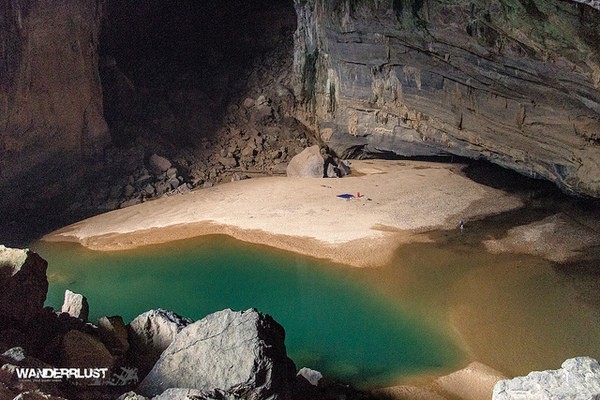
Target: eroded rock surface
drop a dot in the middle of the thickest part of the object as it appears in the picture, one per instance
(514, 84)
(236, 352)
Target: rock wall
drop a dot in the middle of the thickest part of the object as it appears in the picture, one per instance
(514, 82)
(50, 93)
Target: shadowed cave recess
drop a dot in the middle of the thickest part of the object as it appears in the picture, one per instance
(232, 90)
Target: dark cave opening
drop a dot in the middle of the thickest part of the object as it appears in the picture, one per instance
(169, 70)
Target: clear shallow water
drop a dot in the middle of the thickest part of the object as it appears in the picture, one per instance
(335, 321)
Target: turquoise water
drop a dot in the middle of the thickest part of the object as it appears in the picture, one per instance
(334, 322)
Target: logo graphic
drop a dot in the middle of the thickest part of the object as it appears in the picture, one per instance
(122, 376)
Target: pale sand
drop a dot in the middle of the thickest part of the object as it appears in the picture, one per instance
(399, 200)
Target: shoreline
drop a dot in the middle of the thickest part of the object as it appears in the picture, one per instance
(400, 201)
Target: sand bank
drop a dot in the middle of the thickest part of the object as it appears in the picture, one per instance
(399, 200)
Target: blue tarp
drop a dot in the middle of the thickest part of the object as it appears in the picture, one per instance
(346, 196)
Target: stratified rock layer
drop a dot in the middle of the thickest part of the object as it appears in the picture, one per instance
(578, 379)
(23, 285)
(515, 83)
(238, 352)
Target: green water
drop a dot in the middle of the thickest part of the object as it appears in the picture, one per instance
(335, 323)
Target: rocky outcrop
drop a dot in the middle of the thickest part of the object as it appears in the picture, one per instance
(76, 305)
(150, 334)
(236, 352)
(516, 84)
(50, 93)
(23, 286)
(579, 378)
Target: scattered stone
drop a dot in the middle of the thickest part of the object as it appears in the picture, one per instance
(151, 333)
(172, 173)
(129, 190)
(578, 379)
(186, 394)
(244, 351)
(23, 285)
(313, 377)
(76, 305)
(15, 354)
(248, 103)
(36, 395)
(158, 164)
(132, 396)
(228, 162)
(309, 163)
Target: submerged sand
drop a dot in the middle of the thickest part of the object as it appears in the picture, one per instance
(398, 201)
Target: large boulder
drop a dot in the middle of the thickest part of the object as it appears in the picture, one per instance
(308, 163)
(76, 305)
(150, 334)
(23, 285)
(81, 350)
(158, 164)
(578, 379)
(237, 352)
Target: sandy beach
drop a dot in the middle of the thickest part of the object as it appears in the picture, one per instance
(399, 201)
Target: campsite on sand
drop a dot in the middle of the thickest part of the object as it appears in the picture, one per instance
(384, 204)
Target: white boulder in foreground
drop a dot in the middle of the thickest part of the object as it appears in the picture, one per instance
(76, 305)
(236, 352)
(578, 379)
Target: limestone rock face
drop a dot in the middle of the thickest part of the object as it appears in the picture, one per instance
(518, 86)
(150, 334)
(76, 305)
(578, 379)
(309, 163)
(240, 352)
(50, 93)
(23, 285)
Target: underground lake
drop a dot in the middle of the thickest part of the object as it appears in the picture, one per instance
(435, 307)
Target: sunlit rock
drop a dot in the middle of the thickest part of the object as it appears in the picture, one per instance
(76, 305)
(230, 351)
